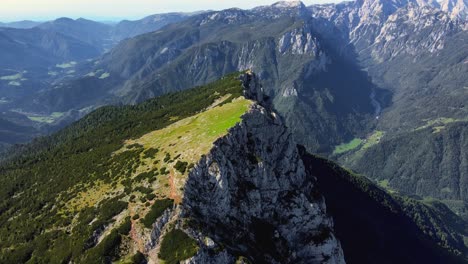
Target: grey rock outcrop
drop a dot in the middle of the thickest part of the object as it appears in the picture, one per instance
(456, 8)
(397, 35)
(252, 195)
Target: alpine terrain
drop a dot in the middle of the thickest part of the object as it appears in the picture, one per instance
(284, 133)
(171, 178)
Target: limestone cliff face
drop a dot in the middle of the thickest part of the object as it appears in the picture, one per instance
(252, 195)
(456, 8)
(413, 30)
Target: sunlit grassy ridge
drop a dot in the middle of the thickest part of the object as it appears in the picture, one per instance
(107, 171)
(186, 140)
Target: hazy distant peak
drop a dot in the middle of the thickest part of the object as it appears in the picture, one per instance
(64, 19)
(288, 4)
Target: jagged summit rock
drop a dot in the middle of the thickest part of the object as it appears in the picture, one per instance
(456, 8)
(431, 3)
(268, 200)
(291, 8)
(397, 35)
(288, 4)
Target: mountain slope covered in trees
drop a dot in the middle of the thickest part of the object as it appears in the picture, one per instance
(131, 183)
(377, 85)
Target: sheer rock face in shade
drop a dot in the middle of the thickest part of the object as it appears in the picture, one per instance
(253, 195)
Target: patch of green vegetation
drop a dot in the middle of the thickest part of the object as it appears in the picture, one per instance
(109, 246)
(143, 190)
(13, 77)
(437, 129)
(150, 196)
(439, 123)
(167, 157)
(46, 118)
(385, 185)
(42, 119)
(446, 190)
(156, 210)
(104, 75)
(14, 83)
(242, 260)
(163, 171)
(373, 139)
(177, 246)
(151, 152)
(138, 258)
(345, 147)
(57, 114)
(181, 166)
(111, 208)
(148, 175)
(66, 65)
(357, 153)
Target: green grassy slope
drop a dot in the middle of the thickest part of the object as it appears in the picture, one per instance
(76, 195)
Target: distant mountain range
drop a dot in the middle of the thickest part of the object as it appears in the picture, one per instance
(288, 55)
(35, 55)
(101, 36)
(21, 24)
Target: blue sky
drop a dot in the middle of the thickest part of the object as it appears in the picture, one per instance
(12, 10)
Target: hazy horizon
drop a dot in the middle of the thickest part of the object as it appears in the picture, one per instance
(18, 10)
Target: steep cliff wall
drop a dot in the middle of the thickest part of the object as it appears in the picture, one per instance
(252, 195)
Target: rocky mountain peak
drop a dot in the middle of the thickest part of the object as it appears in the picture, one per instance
(376, 11)
(253, 181)
(289, 4)
(456, 8)
(369, 21)
(227, 16)
(291, 8)
(432, 3)
(397, 34)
